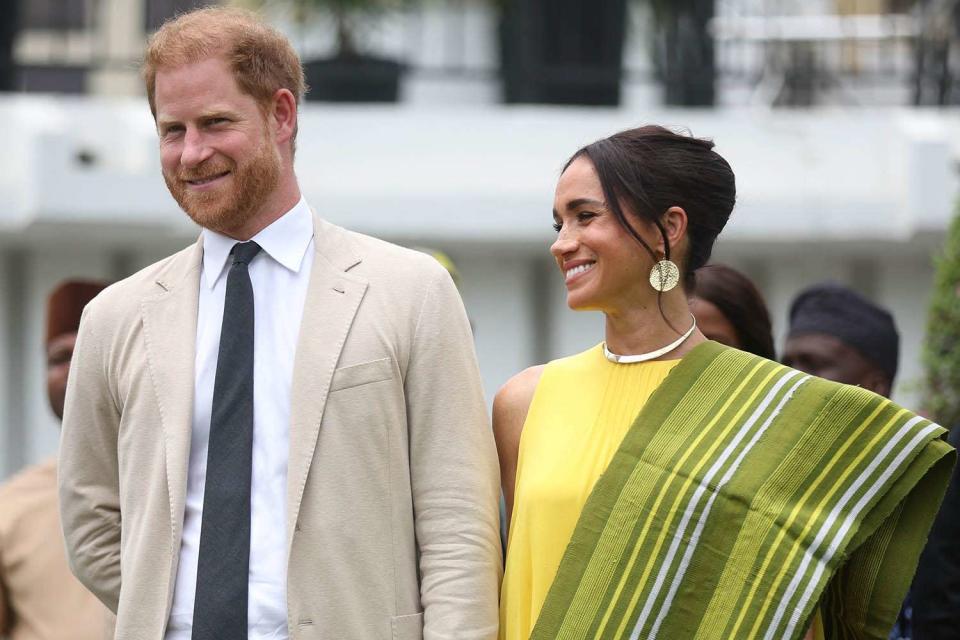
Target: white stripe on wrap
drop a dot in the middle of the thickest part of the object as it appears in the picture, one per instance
(847, 523)
(725, 455)
(685, 561)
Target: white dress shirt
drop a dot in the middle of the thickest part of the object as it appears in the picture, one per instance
(279, 275)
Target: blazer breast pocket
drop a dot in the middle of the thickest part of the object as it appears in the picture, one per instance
(409, 627)
(356, 375)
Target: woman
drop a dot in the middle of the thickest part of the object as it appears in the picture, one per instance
(729, 309)
(662, 485)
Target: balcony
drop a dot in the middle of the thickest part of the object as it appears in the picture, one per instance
(727, 53)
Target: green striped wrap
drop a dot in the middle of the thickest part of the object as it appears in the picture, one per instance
(745, 495)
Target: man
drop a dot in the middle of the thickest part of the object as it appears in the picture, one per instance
(936, 587)
(39, 598)
(280, 431)
(837, 334)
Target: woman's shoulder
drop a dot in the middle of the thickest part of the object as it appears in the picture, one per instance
(517, 392)
(510, 407)
(520, 388)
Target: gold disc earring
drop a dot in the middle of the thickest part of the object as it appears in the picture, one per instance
(665, 275)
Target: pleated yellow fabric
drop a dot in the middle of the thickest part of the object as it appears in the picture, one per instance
(581, 410)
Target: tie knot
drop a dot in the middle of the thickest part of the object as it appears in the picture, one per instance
(244, 252)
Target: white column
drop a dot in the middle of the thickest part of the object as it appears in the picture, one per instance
(496, 291)
(905, 286)
(121, 39)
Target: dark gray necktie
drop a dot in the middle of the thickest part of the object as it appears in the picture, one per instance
(220, 605)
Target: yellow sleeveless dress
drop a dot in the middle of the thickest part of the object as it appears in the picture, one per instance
(581, 410)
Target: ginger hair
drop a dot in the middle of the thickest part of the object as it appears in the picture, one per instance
(261, 58)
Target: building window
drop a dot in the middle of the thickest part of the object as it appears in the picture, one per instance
(55, 15)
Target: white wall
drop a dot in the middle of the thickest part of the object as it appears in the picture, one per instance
(856, 196)
(513, 293)
(495, 296)
(905, 287)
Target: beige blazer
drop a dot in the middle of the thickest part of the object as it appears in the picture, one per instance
(392, 515)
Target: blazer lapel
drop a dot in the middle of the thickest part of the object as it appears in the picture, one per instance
(333, 297)
(170, 328)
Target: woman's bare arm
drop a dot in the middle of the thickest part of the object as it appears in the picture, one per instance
(509, 413)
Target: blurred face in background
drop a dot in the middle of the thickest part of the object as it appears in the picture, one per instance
(59, 353)
(826, 356)
(713, 324)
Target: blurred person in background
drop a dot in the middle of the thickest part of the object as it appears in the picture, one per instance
(39, 597)
(666, 485)
(730, 309)
(279, 431)
(837, 334)
(936, 587)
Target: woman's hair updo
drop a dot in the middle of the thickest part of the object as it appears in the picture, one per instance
(649, 169)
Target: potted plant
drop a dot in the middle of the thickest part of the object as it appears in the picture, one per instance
(350, 74)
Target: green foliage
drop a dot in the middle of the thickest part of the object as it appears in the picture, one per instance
(941, 353)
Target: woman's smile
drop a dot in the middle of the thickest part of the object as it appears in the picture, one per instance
(575, 269)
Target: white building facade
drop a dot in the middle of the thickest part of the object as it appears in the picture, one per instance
(856, 195)
(859, 197)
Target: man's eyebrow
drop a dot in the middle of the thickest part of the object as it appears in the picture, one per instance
(220, 113)
(208, 115)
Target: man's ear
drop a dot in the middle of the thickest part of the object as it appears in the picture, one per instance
(674, 223)
(283, 116)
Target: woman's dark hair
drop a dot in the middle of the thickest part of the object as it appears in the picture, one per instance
(739, 300)
(650, 169)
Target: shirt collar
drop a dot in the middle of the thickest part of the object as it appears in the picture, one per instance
(285, 240)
